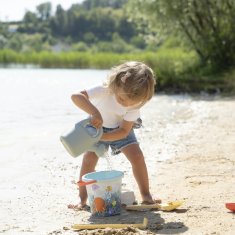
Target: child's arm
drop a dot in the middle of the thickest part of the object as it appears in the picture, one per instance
(81, 100)
(119, 133)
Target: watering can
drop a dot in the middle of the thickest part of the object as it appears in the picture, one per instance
(83, 137)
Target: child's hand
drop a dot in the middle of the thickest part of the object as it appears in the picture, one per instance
(96, 120)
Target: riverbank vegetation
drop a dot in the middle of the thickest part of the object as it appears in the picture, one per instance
(190, 46)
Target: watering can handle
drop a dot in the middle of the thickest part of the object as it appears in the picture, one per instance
(86, 122)
(83, 183)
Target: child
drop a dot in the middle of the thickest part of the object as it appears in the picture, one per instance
(129, 86)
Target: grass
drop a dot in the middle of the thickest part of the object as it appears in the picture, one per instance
(177, 70)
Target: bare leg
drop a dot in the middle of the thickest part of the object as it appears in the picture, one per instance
(89, 162)
(135, 156)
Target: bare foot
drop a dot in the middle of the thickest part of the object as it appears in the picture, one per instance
(79, 207)
(148, 200)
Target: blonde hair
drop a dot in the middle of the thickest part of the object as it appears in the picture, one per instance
(135, 79)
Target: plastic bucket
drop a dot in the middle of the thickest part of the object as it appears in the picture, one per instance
(104, 193)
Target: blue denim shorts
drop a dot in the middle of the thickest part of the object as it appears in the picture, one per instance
(117, 145)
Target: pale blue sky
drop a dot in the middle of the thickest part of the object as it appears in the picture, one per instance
(15, 9)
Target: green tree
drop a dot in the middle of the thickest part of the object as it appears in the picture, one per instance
(208, 25)
(30, 18)
(44, 10)
(81, 46)
(90, 4)
(15, 42)
(29, 23)
(125, 28)
(3, 29)
(59, 23)
(89, 37)
(3, 41)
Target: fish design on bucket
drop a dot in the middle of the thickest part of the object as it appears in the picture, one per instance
(99, 204)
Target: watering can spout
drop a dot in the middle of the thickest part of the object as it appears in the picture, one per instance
(99, 149)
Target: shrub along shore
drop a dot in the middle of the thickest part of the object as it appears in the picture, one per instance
(177, 71)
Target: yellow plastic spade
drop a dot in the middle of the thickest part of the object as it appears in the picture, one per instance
(170, 206)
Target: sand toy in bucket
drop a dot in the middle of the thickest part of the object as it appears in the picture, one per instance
(104, 192)
(83, 137)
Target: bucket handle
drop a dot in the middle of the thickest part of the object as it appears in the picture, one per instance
(83, 183)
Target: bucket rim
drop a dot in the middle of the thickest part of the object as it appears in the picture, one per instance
(86, 179)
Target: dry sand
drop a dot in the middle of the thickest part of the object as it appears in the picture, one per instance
(189, 157)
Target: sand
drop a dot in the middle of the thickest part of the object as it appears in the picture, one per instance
(190, 156)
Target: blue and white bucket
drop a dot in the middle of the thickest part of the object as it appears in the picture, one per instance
(104, 192)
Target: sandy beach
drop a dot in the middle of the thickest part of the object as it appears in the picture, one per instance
(189, 149)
